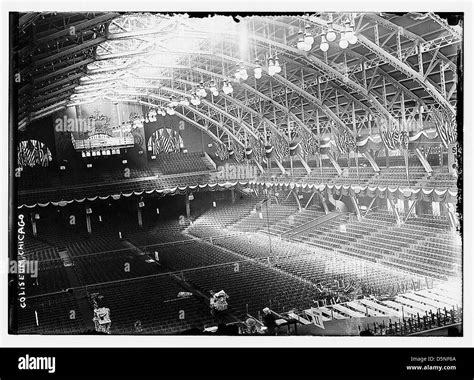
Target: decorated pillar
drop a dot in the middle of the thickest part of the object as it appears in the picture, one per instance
(295, 194)
(424, 161)
(323, 201)
(262, 171)
(282, 169)
(334, 163)
(88, 220)
(140, 205)
(33, 224)
(232, 195)
(395, 210)
(305, 164)
(356, 207)
(188, 204)
(372, 162)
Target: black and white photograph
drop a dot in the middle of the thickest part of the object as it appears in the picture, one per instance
(240, 174)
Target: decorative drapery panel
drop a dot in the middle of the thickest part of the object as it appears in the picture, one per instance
(345, 142)
(222, 152)
(258, 150)
(239, 152)
(446, 126)
(281, 147)
(425, 194)
(165, 140)
(33, 153)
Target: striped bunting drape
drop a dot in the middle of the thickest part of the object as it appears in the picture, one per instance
(32, 153)
(222, 152)
(164, 140)
(281, 147)
(345, 142)
(445, 125)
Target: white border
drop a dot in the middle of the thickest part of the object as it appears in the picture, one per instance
(247, 6)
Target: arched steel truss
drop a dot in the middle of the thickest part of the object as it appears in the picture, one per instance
(315, 92)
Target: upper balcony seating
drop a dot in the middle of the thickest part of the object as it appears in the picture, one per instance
(176, 163)
(396, 176)
(265, 217)
(352, 176)
(440, 179)
(406, 246)
(224, 214)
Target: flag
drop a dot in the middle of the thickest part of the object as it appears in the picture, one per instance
(317, 317)
(258, 149)
(281, 147)
(222, 152)
(176, 141)
(344, 140)
(446, 126)
(238, 152)
(389, 134)
(44, 155)
(167, 144)
(30, 153)
(154, 145)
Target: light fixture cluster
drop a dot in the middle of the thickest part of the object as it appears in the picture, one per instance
(213, 88)
(152, 114)
(305, 39)
(273, 66)
(198, 93)
(347, 35)
(227, 88)
(201, 90)
(241, 72)
(346, 32)
(174, 102)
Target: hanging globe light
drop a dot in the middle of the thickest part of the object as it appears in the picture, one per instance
(225, 88)
(343, 43)
(243, 74)
(277, 66)
(324, 46)
(331, 35)
(300, 44)
(271, 67)
(231, 89)
(308, 38)
(258, 73)
(195, 101)
(173, 102)
(307, 47)
(352, 38)
(237, 73)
